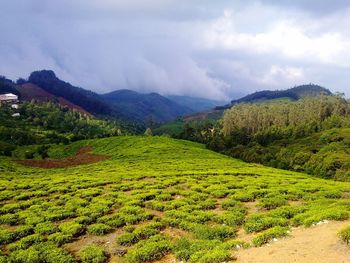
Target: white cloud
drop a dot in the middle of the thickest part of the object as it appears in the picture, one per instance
(199, 48)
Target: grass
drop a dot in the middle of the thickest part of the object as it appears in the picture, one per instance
(159, 196)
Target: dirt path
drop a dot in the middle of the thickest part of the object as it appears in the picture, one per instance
(317, 244)
(83, 156)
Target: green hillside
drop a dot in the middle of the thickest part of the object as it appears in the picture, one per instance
(154, 197)
(44, 123)
(295, 93)
(145, 108)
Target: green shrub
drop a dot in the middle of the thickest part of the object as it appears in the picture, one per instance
(318, 214)
(149, 250)
(272, 202)
(147, 231)
(344, 234)
(244, 196)
(22, 231)
(287, 212)
(26, 256)
(267, 235)
(155, 205)
(206, 251)
(98, 229)
(164, 197)
(93, 254)
(26, 242)
(228, 204)
(10, 219)
(129, 228)
(71, 228)
(59, 238)
(83, 220)
(209, 232)
(231, 218)
(50, 253)
(259, 222)
(127, 239)
(45, 228)
(207, 204)
(6, 236)
(216, 255)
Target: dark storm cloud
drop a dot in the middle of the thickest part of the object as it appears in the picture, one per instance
(213, 49)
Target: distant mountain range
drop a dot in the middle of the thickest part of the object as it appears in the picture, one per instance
(139, 108)
(122, 104)
(150, 107)
(196, 104)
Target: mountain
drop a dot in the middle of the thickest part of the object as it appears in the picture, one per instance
(196, 104)
(88, 100)
(29, 91)
(121, 104)
(295, 93)
(145, 107)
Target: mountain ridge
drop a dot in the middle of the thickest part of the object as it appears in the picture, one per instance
(145, 107)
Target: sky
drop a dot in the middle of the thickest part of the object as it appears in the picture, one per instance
(212, 49)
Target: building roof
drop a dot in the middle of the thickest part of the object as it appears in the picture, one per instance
(8, 96)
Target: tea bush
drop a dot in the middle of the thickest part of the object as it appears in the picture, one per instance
(150, 195)
(98, 229)
(149, 250)
(267, 235)
(92, 254)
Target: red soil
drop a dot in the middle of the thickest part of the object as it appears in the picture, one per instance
(83, 156)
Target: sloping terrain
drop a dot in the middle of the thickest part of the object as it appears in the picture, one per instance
(295, 93)
(145, 108)
(196, 104)
(29, 91)
(90, 101)
(155, 198)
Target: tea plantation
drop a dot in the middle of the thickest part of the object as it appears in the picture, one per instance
(154, 198)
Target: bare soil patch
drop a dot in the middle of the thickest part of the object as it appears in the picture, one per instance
(317, 244)
(83, 156)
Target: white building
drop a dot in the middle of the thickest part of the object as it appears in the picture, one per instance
(8, 98)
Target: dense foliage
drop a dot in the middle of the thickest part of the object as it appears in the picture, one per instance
(43, 123)
(155, 196)
(309, 135)
(90, 101)
(295, 93)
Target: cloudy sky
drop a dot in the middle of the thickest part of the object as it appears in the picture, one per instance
(213, 49)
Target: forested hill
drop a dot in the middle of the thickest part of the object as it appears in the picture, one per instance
(125, 105)
(90, 101)
(145, 107)
(291, 94)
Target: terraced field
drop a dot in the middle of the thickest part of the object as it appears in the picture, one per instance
(155, 198)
